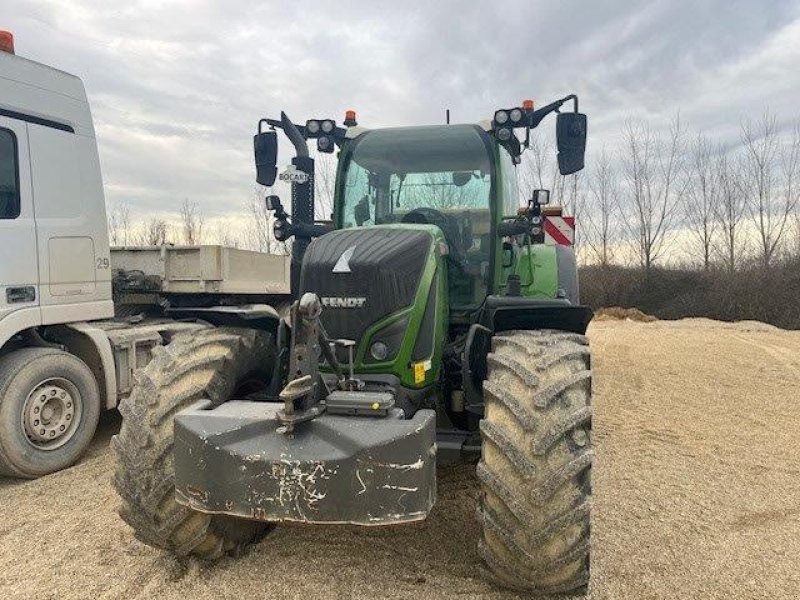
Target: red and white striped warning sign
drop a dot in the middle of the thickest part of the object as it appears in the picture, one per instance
(559, 231)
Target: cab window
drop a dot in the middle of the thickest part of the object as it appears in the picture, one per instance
(508, 176)
(9, 176)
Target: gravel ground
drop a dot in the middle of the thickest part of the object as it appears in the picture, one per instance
(695, 490)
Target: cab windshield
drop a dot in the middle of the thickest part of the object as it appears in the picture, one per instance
(439, 175)
(391, 172)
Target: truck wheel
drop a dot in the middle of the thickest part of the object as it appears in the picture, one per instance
(536, 461)
(49, 407)
(211, 364)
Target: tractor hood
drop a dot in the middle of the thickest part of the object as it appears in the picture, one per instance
(376, 285)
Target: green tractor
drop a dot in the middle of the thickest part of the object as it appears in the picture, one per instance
(428, 323)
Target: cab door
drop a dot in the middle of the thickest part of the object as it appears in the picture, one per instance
(19, 268)
(65, 220)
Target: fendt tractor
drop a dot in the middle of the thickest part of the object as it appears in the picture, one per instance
(429, 322)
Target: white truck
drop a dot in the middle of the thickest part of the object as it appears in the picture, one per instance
(64, 355)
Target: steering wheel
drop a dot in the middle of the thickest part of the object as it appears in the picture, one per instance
(448, 225)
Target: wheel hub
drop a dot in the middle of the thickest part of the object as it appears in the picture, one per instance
(51, 413)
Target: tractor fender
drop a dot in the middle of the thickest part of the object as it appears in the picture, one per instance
(504, 313)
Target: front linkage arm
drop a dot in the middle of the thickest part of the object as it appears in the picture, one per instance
(306, 396)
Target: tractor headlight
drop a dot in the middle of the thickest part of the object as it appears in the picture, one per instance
(386, 343)
(515, 115)
(312, 126)
(501, 117)
(379, 351)
(327, 126)
(504, 134)
(536, 220)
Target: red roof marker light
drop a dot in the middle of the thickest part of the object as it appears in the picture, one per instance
(6, 41)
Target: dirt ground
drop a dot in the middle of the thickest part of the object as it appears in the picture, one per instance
(696, 495)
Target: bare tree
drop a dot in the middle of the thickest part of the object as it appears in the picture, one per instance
(770, 172)
(258, 232)
(437, 190)
(153, 232)
(324, 186)
(797, 231)
(113, 227)
(119, 225)
(702, 196)
(729, 211)
(192, 220)
(539, 170)
(790, 168)
(652, 171)
(226, 235)
(601, 222)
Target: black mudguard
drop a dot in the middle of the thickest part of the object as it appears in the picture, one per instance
(505, 313)
(235, 460)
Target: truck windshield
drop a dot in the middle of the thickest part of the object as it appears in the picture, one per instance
(391, 172)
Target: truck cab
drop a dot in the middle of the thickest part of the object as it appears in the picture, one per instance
(64, 356)
(52, 207)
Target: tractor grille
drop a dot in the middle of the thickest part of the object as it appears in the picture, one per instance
(385, 268)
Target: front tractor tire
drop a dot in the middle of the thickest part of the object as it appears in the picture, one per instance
(535, 468)
(210, 364)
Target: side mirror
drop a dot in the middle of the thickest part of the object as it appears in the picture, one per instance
(265, 147)
(361, 211)
(571, 139)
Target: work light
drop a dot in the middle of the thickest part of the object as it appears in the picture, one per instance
(501, 117)
(312, 126)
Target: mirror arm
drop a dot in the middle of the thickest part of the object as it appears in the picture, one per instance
(536, 116)
(293, 133)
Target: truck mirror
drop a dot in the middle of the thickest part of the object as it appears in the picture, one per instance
(265, 146)
(571, 139)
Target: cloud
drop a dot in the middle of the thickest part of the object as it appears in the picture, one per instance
(177, 88)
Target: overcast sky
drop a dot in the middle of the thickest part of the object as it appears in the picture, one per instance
(176, 88)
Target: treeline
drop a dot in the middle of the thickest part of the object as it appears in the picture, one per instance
(679, 224)
(748, 293)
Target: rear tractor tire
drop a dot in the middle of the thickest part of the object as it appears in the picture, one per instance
(535, 467)
(211, 364)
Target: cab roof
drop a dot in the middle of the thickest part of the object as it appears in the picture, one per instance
(33, 89)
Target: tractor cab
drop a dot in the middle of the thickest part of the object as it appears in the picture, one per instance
(450, 176)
